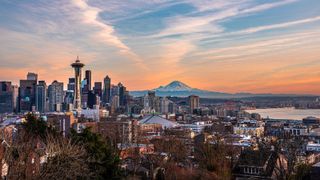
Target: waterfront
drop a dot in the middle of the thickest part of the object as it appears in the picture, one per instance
(286, 113)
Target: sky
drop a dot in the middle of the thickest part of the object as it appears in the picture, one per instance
(257, 46)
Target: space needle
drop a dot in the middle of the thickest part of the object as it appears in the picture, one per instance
(77, 65)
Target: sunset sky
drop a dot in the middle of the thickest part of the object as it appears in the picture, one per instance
(258, 46)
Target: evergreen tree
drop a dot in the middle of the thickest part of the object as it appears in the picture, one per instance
(102, 156)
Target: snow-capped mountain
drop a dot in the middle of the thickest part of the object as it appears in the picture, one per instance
(180, 89)
(174, 86)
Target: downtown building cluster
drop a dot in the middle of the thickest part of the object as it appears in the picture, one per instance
(83, 97)
(33, 95)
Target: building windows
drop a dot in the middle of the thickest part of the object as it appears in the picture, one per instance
(252, 170)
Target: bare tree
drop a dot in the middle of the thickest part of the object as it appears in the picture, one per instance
(64, 160)
(20, 153)
(216, 157)
(287, 149)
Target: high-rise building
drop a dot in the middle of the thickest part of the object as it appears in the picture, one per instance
(69, 94)
(115, 103)
(55, 92)
(151, 103)
(41, 97)
(6, 97)
(194, 102)
(107, 90)
(88, 79)
(164, 105)
(122, 95)
(172, 107)
(68, 97)
(32, 76)
(93, 99)
(98, 88)
(27, 93)
(77, 93)
(127, 98)
(84, 100)
(86, 87)
(114, 91)
(15, 89)
(71, 84)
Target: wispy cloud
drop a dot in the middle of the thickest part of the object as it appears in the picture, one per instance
(105, 32)
(267, 6)
(175, 51)
(192, 29)
(256, 47)
(213, 5)
(276, 26)
(210, 22)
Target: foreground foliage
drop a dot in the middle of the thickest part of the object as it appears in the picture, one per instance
(84, 155)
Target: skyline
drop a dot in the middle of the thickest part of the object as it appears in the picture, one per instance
(226, 46)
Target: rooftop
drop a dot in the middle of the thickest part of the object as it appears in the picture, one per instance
(154, 119)
(254, 158)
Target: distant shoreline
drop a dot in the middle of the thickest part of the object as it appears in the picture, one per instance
(289, 113)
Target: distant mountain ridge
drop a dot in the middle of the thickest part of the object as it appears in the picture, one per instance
(180, 89)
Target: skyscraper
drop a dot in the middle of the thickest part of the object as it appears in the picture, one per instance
(77, 96)
(107, 90)
(6, 97)
(172, 107)
(115, 103)
(15, 89)
(87, 86)
(92, 99)
(122, 94)
(114, 91)
(164, 105)
(194, 102)
(41, 97)
(71, 84)
(27, 93)
(98, 88)
(32, 76)
(68, 100)
(69, 94)
(55, 92)
(151, 102)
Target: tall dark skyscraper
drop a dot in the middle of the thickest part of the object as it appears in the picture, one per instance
(87, 86)
(92, 99)
(6, 97)
(97, 89)
(122, 94)
(106, 90)
(27, 93)
(71, 84)
(114, 91)
(41, 97)
(69, 96)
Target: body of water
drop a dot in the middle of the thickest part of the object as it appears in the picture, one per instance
(287, 113)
